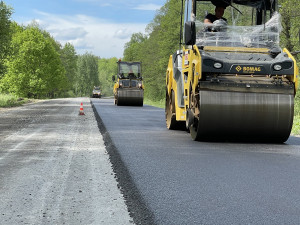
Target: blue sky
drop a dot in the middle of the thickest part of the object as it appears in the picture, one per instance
(100, 27)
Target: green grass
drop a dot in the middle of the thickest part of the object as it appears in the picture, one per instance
(8, 100)
(159, 104)
(296, 125)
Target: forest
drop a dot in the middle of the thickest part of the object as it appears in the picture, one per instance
(35, 65)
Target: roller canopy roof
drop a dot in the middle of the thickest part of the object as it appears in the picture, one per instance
(253, 3)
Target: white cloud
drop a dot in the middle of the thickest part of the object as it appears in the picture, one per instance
(88, 34)
(126, 4)
(122, 33)
(68, 33)
(151, 7)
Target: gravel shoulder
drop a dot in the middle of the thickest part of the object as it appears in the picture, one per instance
(54, 167)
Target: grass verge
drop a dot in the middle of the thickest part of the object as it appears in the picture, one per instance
(159, 104)
(8, 100)
(296, 124)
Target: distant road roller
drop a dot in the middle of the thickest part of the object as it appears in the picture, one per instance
(231, 82)
(129, 87)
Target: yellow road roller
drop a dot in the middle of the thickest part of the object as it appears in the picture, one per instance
(129, 87)
(230, 80)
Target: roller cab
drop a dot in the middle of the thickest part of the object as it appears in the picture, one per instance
(231, 80)
(129, 88)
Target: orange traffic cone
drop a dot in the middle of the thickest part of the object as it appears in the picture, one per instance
(81, 113)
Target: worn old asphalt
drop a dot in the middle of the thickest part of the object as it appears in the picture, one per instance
(54, 168)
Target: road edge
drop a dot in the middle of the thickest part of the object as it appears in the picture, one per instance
(136, 205)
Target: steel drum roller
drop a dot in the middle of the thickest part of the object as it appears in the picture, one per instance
(260, 116)
(130, 97)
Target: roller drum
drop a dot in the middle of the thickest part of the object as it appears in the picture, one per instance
(130, 97)
(242, 115)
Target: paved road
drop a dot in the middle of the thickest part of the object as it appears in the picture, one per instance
(179, 181)
(54, 168)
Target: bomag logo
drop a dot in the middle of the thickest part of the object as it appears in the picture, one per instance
(238, 68)
(248, 69)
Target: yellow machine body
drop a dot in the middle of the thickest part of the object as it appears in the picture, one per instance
(129, 87)
(216, 88)
(193, 58)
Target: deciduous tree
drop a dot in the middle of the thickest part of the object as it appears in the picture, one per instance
(154, 49)
(107, 68)
(34, 68)
(5, 33)
(290, 12)
(69, 57)
(87, 74)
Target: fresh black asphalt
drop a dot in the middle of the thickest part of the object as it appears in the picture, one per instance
(169, 179)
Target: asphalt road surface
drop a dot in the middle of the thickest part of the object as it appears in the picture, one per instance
(167, 178)
(54, 168)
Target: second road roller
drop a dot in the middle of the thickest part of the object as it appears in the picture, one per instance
(230, 80)
(129, 87)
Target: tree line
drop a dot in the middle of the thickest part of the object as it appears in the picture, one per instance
(34, 64)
